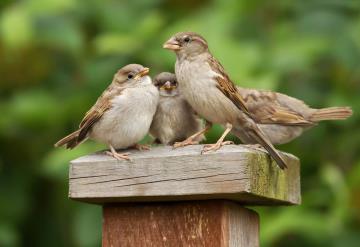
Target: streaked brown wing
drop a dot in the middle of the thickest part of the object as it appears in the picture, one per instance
(261, 106)
(226, 86)
(229, 90)
(280, 116)
(265, 108)
(97, 111)
(91, 118)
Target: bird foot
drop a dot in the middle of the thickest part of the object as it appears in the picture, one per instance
(123, 156)
(142, 147)
(213, 147)
(184, 143)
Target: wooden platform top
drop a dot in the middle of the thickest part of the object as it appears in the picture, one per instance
(234, 172)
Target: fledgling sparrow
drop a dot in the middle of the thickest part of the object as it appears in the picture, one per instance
(283, 118)
(122, 115)
(174, 119)
(211, 93)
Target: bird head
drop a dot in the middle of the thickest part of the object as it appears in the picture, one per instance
(133, 75)
(166, 83)
(186, 43)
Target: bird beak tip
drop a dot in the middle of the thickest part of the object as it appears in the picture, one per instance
(167, 86)
(142, 73)
(171, 44)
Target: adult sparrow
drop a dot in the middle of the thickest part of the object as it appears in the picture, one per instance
(211, 93)
(283, 118)
(174, 119)
(122, 115)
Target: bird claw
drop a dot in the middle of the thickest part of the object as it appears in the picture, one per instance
(123, 156)
(215, 146)
(142, 147)
(184, 143)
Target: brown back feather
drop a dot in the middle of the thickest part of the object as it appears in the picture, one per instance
(97, 111)
(70, 141)
(266, 108)
(226, 86)
(229, 89)
(331, 113)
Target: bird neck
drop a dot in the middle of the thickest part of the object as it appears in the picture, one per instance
(169, 93)
(191, 57)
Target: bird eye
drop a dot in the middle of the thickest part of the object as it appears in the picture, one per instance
(130, 76)
(187, 39)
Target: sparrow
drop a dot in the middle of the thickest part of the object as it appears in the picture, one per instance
(212, 94)
(122, 115)
(174, 119)
(283, 118)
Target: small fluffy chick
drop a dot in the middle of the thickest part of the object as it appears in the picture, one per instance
(174, 119)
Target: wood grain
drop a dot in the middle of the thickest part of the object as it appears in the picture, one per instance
(163, 174)
(192, 224)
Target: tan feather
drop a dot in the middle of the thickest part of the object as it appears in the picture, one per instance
(226, 86)
(266, 108)
(331, 113)
(285, 117)
(91, 117)
(231, 91)
(70, 141)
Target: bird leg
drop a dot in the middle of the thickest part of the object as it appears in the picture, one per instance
(190, 139)
(141, 147)
(116, 155)
(220, 142)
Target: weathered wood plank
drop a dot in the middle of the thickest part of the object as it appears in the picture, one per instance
(200, 223)
(163, 174)
(244, 226)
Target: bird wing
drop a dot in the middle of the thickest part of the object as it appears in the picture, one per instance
(262, 106)
(266, 108)
(229, 89)
(97, 111)
(226, 86)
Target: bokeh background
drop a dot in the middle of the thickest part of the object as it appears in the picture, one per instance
(57, 56)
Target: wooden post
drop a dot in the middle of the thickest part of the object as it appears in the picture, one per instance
(195, 223)
(179, 197)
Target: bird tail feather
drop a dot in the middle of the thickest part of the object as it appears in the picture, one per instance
(70, 141)
(258, 136)
(331, 113)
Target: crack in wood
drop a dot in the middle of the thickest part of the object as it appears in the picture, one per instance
(176, 179)
(227, 180)
(120, 179)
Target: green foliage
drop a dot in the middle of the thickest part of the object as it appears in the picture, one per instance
(57, 56)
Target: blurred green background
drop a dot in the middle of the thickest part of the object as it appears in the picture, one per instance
(57, 56)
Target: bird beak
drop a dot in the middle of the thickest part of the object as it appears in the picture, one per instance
(172, 44)
(167, 86)
(142, 73)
